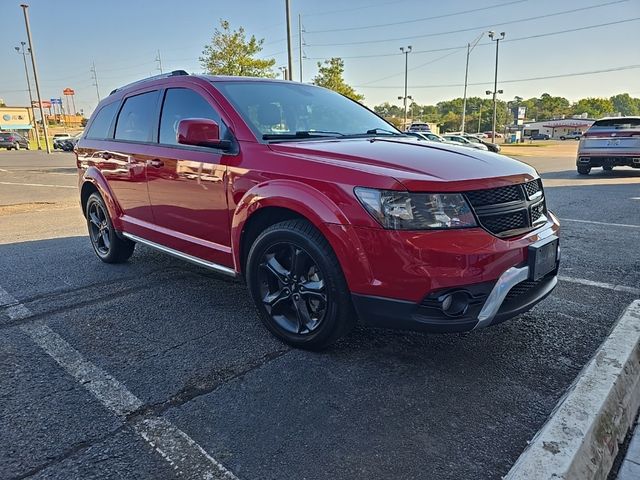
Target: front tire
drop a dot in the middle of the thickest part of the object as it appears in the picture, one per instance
(562, 138)
(298, 286)
(109, 247)
(584, 170)
(16, 146)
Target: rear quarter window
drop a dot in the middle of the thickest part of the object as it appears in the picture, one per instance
(136, 117)
(102, 121)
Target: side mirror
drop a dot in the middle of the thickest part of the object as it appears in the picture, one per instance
(201, 132)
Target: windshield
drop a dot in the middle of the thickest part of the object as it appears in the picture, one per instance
(276, 110)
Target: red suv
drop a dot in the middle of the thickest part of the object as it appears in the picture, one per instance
(328, 212)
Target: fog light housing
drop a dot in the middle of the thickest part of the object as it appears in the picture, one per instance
(454, 304)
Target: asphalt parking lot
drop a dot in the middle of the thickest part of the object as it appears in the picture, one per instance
(169, 342)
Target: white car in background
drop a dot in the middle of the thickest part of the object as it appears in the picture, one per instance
(610, 142)
(460, 140)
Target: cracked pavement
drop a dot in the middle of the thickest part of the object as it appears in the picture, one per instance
(379, 404)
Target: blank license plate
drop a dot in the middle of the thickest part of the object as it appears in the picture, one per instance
(543, 257)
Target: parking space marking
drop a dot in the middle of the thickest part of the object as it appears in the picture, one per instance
(600, 223)
(608, 286)
(39, 185)
(174, 445)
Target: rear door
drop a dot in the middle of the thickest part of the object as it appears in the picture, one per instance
(187, 183)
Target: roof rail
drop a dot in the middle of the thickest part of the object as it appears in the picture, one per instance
(174, 73)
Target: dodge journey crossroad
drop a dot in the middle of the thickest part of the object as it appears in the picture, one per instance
(329, 213)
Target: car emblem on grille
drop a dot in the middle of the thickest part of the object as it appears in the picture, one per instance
(613, 143)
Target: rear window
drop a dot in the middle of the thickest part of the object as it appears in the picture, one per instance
(616, 124)
(102, 121)
(137, 117)
(4, 136)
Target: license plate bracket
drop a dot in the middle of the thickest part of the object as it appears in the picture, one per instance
(543, 256)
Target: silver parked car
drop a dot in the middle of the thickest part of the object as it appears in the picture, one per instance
(460, 140)
(610, 142)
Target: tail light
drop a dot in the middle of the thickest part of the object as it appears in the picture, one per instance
(11, 139)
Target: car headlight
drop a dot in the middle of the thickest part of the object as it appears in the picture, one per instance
(416, 211)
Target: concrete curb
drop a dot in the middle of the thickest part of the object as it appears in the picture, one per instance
(580, 439)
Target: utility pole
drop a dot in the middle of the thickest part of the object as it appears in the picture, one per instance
(480, 117)
(300, 53)
(289, 52)
(159, 60)
(25, 11)
(406, 52)
(470, 47)
(493, 37)
(94, 75)
(26, 72)
(284, 71)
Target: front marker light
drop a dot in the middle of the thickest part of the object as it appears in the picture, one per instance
(399, 210)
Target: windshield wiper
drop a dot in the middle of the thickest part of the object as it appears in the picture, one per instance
(301, 134)
(376, 130)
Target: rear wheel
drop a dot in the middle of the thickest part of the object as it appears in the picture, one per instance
(109, 247)
(607, 168)
(16, 146)
(298, 286)
(562, 138)
(584, 170)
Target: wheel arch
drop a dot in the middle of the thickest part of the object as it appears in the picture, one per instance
(93, 181)
(276, 201)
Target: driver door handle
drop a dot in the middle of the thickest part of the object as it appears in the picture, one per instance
(156, 163)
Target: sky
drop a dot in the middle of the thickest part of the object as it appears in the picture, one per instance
(123, 39)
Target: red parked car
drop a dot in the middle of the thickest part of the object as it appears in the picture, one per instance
(328, 212)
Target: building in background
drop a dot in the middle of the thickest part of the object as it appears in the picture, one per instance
(558, 128)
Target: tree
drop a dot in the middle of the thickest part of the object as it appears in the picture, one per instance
(594, 107)
(231, 54)
(625, 104)
(330, 76)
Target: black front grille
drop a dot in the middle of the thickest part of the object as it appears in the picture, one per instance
(481, 198)
(511, 210)
(503, 223)
(532, 188)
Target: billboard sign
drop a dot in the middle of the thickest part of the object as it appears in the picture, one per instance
(68, 91)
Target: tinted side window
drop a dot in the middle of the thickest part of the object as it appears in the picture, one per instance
(136, 118)
(182, 103)
(100, 126)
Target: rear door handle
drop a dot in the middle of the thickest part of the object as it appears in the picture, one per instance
(156, 163)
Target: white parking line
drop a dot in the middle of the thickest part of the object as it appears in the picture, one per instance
(38, 185)
(599, 223)
(609, 286)
(174, 445)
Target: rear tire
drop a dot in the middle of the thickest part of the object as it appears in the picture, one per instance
(109, 247)
(562, 138)
(584, 170)
(16, 146)
(298, 286)
(607, 168)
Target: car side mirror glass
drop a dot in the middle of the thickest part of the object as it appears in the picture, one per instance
(200, 132)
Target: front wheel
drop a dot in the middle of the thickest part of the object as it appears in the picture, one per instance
(298, 286)
(563, 138)
(16, 146)
(584, 170)
(109, 247)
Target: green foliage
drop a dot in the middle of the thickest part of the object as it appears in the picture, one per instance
(448, 113)
(330, 75)
(83, 122)
(594, 107)
(230, 53)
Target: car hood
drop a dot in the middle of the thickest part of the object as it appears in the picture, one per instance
(416, 164)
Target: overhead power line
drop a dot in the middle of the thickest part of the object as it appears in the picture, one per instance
(517, 80)
(352, 9)
(475, 28)
(416, 20)
(517, 39)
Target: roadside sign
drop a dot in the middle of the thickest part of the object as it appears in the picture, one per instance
(68, 91)
(56, 101)
(45, 103)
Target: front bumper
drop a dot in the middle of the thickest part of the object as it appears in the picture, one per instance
(397, 279)
(491, 303)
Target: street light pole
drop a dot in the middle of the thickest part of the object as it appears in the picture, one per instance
(406, 52)
(26, 72)
(470, 47)
(289, 52)
(493, 37)
(25, 10)
(480, 117)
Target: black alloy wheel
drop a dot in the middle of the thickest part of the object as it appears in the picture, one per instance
(298, 286)
(109, 247)
(292, 288)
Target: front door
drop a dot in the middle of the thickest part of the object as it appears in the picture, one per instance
(187, 184)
